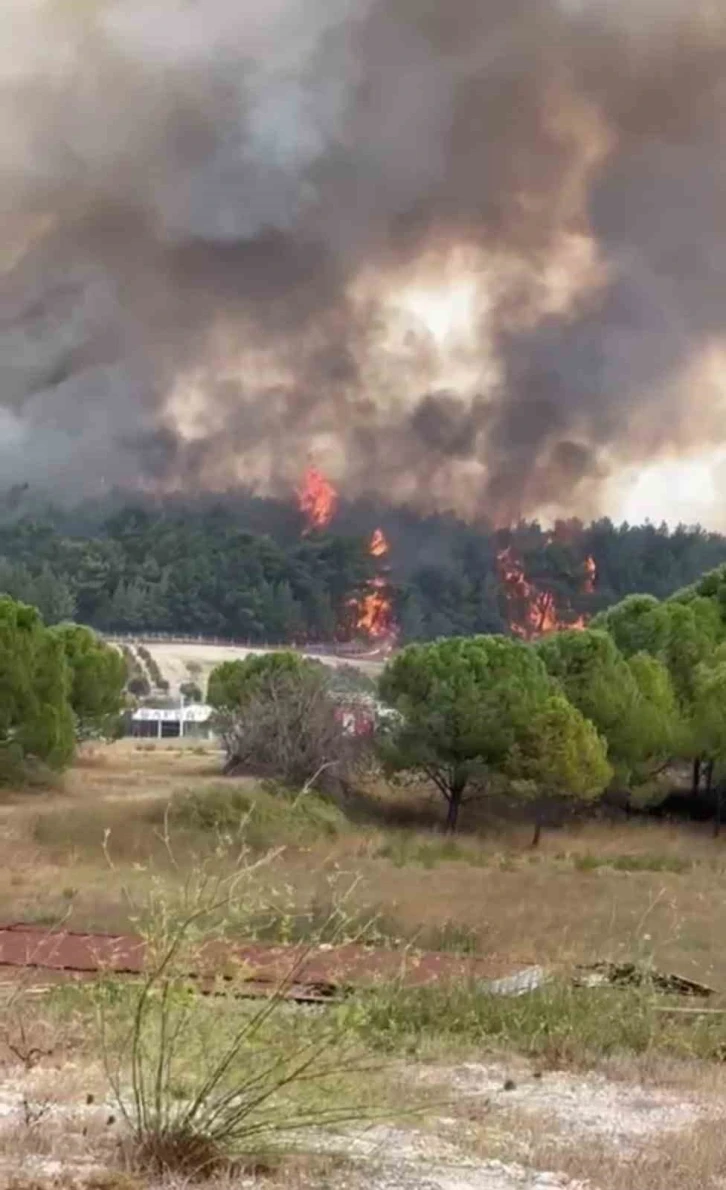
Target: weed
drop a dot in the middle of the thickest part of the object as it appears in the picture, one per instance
(651, 863)
(200, 1080)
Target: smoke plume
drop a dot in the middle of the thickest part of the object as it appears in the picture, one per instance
(465, 255)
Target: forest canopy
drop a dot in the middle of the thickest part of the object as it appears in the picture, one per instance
(247, 570)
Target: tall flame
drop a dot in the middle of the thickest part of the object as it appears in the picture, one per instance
(317, 499)
(374, 611)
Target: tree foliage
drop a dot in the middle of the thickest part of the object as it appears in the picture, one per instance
(682, 632)
(98, 676)
(234, 683)
(561, 754)
(245, 571)
(463, 705)
(595, 678)
(710, 711)
(640, 624)
(36, 721)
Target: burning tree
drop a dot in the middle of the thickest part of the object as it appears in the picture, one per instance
(317, 499)
(532, 611)
(372, 611)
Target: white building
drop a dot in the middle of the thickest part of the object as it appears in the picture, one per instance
(172, 722)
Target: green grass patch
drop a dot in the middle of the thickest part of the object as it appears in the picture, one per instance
(406, 849)
(267, 815)
(558, 1025)
(633, 863)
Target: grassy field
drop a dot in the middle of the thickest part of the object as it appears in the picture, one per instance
(597, 891)
(136, 823)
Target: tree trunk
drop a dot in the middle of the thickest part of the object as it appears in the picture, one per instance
(709, 778)
(456, 793)
(719, 798)
(696, 776)
(537, 831)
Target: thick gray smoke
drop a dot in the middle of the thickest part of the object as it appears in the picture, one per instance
(468, 255)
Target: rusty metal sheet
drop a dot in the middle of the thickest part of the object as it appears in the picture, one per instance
(324, 971)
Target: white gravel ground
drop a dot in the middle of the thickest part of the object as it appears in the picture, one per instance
(576, 1109)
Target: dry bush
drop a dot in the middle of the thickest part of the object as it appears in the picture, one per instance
(289, 729)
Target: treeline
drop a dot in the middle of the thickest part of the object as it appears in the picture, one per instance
(573, 715)
(215, 571)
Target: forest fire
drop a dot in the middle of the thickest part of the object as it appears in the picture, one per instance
(317, 499)
(532, 612)
(374, 610)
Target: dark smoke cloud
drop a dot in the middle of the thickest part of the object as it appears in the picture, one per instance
(223, 224)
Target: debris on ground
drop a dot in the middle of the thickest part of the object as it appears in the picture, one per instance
(633, 975)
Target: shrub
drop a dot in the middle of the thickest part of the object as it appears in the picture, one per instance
(202, 1081)
(277, 718)
(266, 816)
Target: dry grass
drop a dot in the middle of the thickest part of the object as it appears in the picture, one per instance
(174, 660)
(294, 1172)
(694, 1159)
(657, 891)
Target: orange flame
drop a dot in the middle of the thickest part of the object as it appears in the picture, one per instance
(374, 611)
(379, 545)
(318, 499)
(533, 613)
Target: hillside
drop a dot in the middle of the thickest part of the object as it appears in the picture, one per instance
(181, 662)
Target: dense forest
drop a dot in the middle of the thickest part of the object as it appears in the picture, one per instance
(247, 569)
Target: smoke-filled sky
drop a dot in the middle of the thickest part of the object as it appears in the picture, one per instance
(467, 255)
